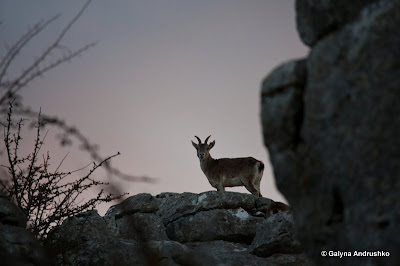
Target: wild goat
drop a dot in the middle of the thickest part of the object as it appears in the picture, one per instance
(229, 172)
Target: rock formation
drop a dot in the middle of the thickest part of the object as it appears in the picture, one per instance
(331, 123)
(209, 228)
(18, 247)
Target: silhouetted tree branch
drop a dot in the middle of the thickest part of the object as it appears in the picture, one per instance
(46, 197)
(11, 87)
(40, 65)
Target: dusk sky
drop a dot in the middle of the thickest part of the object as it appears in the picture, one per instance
(162, 72)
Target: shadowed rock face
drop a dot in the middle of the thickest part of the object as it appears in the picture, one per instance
(338, 113)
(210, 228)
(316, 19)
(17, 245)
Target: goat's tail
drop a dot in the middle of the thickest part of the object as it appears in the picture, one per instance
(260, 167)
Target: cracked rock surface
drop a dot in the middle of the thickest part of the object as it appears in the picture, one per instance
(209, 228)
(331, 124)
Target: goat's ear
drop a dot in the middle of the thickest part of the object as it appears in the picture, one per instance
(195, 145)
(211, 145)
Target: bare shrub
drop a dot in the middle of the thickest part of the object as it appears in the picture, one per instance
(53, 55)
(46, 196)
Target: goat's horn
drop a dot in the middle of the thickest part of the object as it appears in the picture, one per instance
(207, 139)
(198, 139)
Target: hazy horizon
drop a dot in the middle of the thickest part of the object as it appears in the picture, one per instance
(162, 72)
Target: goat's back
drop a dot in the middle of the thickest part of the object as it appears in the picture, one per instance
(233, 166)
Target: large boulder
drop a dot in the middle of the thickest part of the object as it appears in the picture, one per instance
(17, 245)
(317, 19)
(340, 171)
(89, 239)
(140, 203)
(282, 105)
(276, 235)
(235, 225)
(174, 205)
(10, 214)
(141, 227)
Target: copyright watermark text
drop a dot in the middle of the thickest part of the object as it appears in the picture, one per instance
(342, 254)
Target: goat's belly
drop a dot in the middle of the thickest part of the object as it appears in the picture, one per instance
(233, 182)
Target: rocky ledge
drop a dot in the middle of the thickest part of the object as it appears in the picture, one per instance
(209, 228)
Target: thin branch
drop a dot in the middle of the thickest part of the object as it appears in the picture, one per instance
(33, 75)
(86, 145)
(30, 74)
(45, 196)
(21, 43)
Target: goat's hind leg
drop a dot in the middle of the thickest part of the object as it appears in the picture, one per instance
(252, 188)
(258, 189)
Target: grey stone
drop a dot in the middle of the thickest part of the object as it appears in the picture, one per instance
(168, 248)
(143, 202)
(282, 105)
(209, 228)
(289, 74)
(9, 213)
(174, 253)
(316, 19)
(262, 206)
(81, 228)
(276, 235)
(226, 200)
(289, 260)
(86, 239)
(341, 175)
(235, 225)
(17, 245)
(174, 206)
(227, 253)
(103, 251)
(141, 227)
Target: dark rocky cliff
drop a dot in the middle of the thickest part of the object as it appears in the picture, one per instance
(210, 228)
(331, 123)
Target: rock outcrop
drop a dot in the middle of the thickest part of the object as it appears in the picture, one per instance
(209, 228)
(331, 123)
(17, 245)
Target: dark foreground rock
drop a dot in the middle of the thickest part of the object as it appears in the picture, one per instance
(18, 247)
(331, 123)
(210, 228)
(275, 235)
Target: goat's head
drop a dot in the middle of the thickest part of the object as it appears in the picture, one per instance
(203, 149)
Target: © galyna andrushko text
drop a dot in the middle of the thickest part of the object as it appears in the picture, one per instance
(358, 254)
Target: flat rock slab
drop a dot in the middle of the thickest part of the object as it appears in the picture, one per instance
(235, 225)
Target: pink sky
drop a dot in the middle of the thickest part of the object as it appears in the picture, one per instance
(162, 72)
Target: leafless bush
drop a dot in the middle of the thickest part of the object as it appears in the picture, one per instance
(46, 196)
(53, 55)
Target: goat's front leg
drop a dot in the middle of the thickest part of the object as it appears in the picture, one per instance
(220, 187)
